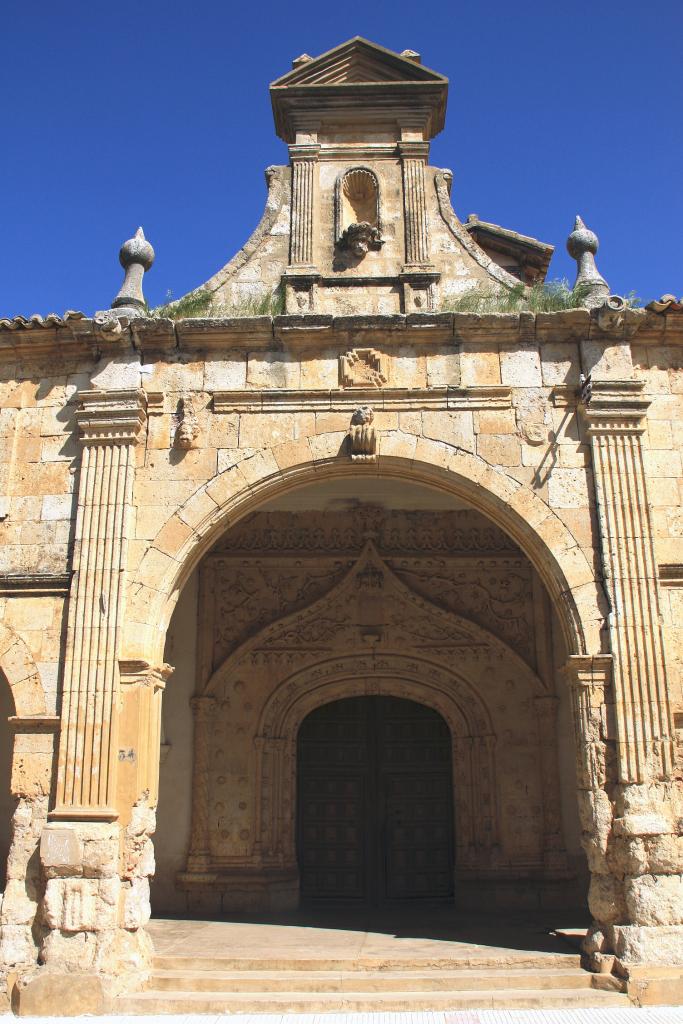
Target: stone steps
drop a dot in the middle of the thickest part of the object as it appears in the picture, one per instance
(364, 1002)
(362, 981)
(368, 984)
(517, 961)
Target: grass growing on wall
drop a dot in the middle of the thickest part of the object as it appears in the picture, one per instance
(205, 304)
(541, 297)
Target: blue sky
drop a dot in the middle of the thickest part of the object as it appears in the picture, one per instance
(157, 113)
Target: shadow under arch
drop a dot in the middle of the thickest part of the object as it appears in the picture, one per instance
(21, 673)
(576, 595)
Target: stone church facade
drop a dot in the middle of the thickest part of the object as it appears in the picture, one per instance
(363, 601)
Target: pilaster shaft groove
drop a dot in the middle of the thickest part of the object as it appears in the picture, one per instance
(303, 193)
(615, 418)
(109, 423)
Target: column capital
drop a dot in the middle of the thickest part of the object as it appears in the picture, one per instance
(584, 670)
(304, 152)
(203, 705)
(413, 150)
(614, 407)
(111, 417)
(141, 673)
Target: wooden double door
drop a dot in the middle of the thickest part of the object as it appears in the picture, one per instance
(375, 803)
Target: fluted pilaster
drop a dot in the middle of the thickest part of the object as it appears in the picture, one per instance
(304, 159)
(413, 159)
(109, 424)
(615, 416)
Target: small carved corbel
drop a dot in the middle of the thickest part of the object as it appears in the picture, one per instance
(188, 427)
(611, 313)
(362, 436)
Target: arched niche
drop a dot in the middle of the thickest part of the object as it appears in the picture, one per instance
(358, 226)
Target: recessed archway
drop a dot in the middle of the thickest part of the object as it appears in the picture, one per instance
(242, 798)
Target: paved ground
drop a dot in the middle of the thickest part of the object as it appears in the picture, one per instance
(653, 1015)
(425, 934)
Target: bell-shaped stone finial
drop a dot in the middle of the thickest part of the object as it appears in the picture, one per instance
(136, 257)
(582, 246)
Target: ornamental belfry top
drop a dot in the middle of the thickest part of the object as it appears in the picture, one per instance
(353, 577)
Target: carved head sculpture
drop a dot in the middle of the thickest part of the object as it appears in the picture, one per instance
(362, 415)
(360, 238)
(188, 427)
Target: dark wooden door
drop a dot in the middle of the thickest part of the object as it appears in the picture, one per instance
(375, 802)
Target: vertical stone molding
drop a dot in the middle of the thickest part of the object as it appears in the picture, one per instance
(303, 158)
(204, 710)
(413, 158)
(109, 424)
(615, 416)
(142, 688)
(546, 708)
(590, 680)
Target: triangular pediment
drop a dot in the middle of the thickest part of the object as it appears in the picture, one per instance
(356, 62)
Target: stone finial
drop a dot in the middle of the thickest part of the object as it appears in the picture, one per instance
(582, 246)
(412, 55)
(136, 257)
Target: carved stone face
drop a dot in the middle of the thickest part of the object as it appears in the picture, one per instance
(362, 416)
(360, 238)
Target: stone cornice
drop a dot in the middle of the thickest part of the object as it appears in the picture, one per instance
(151, 338)
(111, 417)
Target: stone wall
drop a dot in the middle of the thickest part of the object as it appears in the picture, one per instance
(486, 409)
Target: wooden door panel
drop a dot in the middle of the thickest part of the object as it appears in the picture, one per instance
(375, 802)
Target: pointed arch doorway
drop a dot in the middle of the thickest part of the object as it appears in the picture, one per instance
(374, 803)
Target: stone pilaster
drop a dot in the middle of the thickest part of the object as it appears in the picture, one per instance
(109, 424)
(204, 710)
(615, 419)
(303, 158)
(629, 813)
(413, 159)
(418, 276)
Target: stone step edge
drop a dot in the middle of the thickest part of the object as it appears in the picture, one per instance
(551, 962)
(495, 973)
(175, 1002)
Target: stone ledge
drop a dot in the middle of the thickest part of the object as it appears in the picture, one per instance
(152, 337)
(386, 399)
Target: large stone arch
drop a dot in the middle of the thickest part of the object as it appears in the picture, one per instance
(19, 669)
(189, 532)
